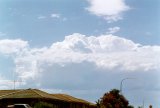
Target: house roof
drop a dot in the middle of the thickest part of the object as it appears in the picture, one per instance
(35, 93)
(26, 93)
(69, 98)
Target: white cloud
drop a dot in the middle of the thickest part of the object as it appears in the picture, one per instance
(42, 17)
(105, 52)
(111, 10)
(113, 30)
(54, 15)
(8, 46)
(84, 63)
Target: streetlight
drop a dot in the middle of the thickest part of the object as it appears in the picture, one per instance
(143, 104)
(122, 83)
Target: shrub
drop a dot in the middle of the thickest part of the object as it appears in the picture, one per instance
(43, 105)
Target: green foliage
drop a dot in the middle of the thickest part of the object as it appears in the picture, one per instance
(114, 99)
(43, 105)
(98, 103)
(130, 106)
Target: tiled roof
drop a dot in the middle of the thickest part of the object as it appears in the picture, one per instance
(26, 93)
(71, 98)
(35, 93)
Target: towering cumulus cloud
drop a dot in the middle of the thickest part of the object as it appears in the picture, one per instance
(104, 52)
(84, 63)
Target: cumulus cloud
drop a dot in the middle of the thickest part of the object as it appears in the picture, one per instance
(104, 52)
(80, 64)
(54, 15)
(8, 46)
(42, 17)
(113, 30)
(111, 10)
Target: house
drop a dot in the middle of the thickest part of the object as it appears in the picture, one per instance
(74, 102)
(32, 96)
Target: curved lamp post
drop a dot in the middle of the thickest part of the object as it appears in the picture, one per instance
(122, 83)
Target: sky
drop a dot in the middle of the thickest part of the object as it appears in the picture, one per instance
(82, 47)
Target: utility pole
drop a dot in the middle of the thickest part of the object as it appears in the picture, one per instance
(14, 84)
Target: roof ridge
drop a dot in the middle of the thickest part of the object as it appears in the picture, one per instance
(34, 90)
(12, 93)
(63, 95)
(41, 94)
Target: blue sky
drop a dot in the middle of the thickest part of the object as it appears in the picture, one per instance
(20, 19)
(90, 44)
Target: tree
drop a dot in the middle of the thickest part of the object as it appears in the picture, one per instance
(130, 106)
(114, 99)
